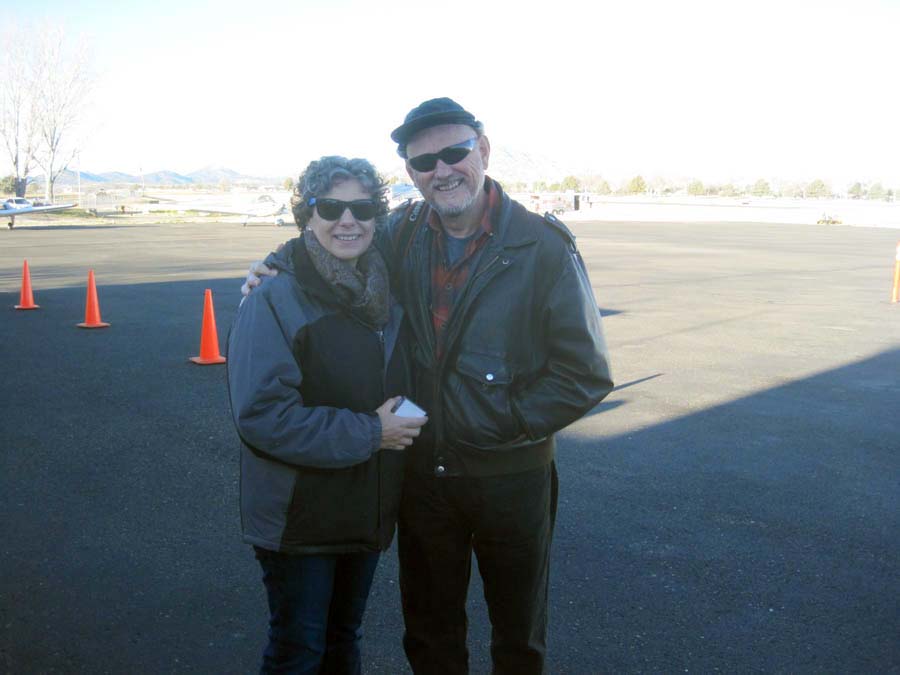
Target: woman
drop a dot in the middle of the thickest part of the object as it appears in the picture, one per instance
(315, 366)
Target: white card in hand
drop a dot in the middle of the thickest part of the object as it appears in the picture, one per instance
(409, 409)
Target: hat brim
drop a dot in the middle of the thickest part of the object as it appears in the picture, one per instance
(406, 131)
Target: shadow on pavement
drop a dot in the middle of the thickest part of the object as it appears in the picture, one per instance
(759, 535)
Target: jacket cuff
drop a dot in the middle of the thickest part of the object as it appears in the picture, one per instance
(375, 442)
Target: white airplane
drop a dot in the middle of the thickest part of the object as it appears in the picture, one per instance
(19, 206)
(263, 207)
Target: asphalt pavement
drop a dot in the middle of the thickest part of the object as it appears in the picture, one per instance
(733, 506)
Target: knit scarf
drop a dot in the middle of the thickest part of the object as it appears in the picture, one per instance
(364, 287)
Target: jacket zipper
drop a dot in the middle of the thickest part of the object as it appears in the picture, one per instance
(380, 333)
(458, 313)
(463, 307)
(441, 364)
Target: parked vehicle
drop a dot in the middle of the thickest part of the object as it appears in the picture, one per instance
(18, 203)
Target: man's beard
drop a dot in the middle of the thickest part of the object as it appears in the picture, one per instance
(454, 210)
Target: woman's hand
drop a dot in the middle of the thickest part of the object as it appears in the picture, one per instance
(397, 433)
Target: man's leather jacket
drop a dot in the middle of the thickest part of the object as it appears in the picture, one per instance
(524, 353)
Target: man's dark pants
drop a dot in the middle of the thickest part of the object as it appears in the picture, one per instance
(508, 522)
(316, 605)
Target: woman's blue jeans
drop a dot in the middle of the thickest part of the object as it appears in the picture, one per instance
(316, 605)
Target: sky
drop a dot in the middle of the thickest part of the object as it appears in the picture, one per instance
(719, 91)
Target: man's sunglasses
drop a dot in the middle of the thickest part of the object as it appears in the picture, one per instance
(452, 154)
(332, 209)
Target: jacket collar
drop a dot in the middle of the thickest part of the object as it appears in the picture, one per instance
(506, 234)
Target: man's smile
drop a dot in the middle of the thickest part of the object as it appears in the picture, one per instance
(448, 186)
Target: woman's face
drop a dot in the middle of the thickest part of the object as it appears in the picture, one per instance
(346, 238)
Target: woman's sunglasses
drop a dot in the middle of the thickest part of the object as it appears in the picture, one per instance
(452, 154)
(332, 209)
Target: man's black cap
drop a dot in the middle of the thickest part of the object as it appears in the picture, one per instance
(431, 113)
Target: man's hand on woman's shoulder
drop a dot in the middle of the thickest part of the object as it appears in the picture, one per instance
(257, 270)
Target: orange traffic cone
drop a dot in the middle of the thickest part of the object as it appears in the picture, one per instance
(26, 297)
(209, 338)
(92, 306)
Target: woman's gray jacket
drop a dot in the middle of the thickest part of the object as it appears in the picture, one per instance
(305, 375)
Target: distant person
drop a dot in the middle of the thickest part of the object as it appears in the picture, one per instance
(316, 359)
(508, 349)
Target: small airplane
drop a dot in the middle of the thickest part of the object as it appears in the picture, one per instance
(19, 206)
(263, 207)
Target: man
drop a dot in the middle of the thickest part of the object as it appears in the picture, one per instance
(508, 349)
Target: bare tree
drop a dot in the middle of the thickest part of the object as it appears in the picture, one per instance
(61, 86)
(18, 114)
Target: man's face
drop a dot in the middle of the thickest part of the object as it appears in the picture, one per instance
(451, 189)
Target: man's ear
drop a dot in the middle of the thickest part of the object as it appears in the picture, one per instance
(484, 147)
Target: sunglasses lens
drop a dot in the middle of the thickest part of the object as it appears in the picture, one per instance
(424, 162)
(449, 155)
(364, 209)
(332, 209)
(454, 155)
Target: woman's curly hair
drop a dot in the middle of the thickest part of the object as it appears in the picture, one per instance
(323, 174)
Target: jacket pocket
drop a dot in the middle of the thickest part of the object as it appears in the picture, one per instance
(477, 402)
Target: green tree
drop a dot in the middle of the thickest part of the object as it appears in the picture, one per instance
(817, 189)
(761, 188)
(554, 187)
(539, 186)
(728, 190)
(695, 187)
(877, 191)
(8, 185)
(570, 183)
(603, 188)
(636, 186)
(856, 191)
(288, 184)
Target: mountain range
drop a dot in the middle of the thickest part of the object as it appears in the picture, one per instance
(506, 165)
(209, 175)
